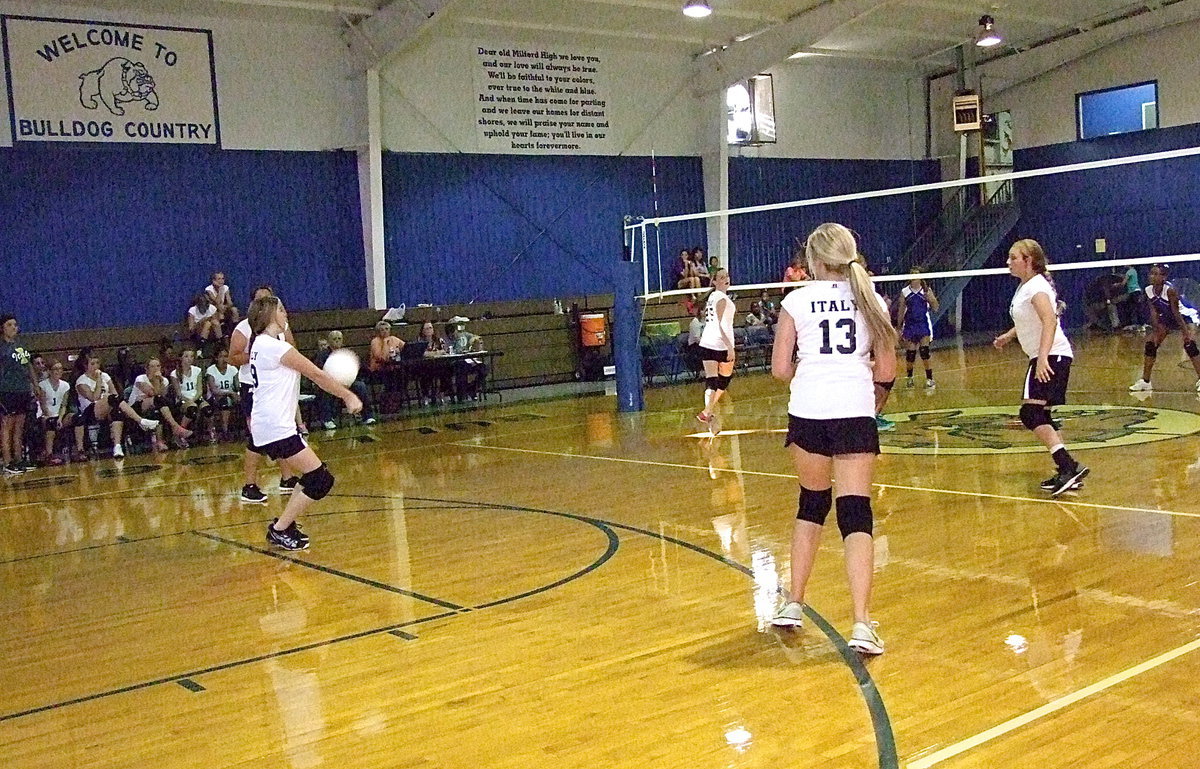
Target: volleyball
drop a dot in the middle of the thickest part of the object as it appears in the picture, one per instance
(342, 366)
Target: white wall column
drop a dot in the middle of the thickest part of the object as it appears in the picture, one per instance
(714, 160)
(370, 192)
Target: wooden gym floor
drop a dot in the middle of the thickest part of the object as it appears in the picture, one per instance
(552, 584)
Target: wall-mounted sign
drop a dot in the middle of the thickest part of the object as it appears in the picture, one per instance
(95, 81)
(967, 115)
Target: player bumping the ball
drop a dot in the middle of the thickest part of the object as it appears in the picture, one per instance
(275, 369)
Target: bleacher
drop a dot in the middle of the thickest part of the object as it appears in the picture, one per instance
(538, 346)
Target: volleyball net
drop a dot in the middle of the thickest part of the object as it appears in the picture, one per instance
(1103, 223)
(1089, 217)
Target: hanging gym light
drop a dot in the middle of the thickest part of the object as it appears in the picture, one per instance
(988, 35)
(697, 9)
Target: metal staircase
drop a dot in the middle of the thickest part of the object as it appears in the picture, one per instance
(962, 237)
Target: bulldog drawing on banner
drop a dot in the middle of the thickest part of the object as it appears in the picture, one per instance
(119, 80)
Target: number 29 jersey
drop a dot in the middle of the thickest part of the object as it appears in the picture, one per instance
(833, 377)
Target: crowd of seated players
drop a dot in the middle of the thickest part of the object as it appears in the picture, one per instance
(78, 409)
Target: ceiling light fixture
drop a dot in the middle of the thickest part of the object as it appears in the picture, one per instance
(697, 9)
(988, 35)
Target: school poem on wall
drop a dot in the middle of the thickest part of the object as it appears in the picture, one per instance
(540, 99)
(91, 81)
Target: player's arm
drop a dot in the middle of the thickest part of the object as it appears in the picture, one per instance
(297, 362)
(883, 370)
(1005, 338)
(210, 384)
(237, 349)
(729, 345)
(901, 312)
(1049, 320)
(783, 351)
(84, 390)
(1173, 298)
(930, 297)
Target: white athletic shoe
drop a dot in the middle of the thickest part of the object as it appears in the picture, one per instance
(148, 424)
(118, 452)
(864, 639)
(791, 615)
(1198, 385)
(1142, 386)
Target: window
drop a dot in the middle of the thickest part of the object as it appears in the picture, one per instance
(1117, 110)
(750, 106)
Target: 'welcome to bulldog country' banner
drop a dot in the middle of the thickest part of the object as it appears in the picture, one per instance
(94, 81)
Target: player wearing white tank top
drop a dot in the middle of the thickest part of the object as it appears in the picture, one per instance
(275, 369)
(1037, 328)
(835, 346)
(238, 341)
(54, 396)
(717, 353)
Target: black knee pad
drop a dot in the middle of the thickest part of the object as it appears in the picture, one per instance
(1034, 415)
(1191, 349)
(854, 515)
(814, 505)
(910, 355)
(317, 483)
(160, 403)
(1151, 350)
(710, 382)
(924, 352)
(189, 412)
(114, 402)
(723, 382)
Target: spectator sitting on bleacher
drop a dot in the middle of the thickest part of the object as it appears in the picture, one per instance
(770, 308)
(701, 266)
(54, 397)
(469, 373)
(98, 400)
(188, 381)
(685, 272)
(222, 389)
(203, 322)
(167, 357)
(79, 362)
(219, 295)
(436, 382)
(150, 397)
(757, 329)
(40, 370)
(385, 348)
(796, 271)
(327, 404)
(696, 327)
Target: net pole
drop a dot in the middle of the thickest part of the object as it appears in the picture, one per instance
(627, 321)
(646, 257)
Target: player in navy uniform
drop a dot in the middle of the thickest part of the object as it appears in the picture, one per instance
(275, 368)
(1036, 326)
(836, 346)
(917, 300)
(1168, 312)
